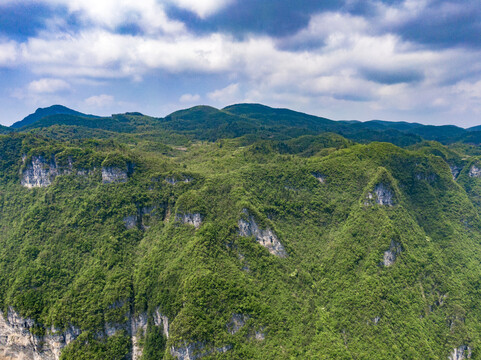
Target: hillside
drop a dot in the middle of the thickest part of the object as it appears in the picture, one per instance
(4, 129)
(222, 234)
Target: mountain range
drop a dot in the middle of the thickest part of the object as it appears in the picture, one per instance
(239, 233)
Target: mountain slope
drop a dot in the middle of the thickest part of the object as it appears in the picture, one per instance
(4, 129)
(43, 112)
(315, 247)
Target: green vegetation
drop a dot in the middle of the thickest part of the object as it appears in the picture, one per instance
(95, 256)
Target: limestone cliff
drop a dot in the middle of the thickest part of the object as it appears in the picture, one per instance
(40, 172)
(265, 237)
(382, 194)
(191, 219)
(17, 341)
(114, 175)
(391, 254)
(461, 353)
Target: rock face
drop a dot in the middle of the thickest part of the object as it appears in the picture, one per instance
(195, 351)
(130, 221)
(114, 175)
(191, 219)
(140, 219)
(39, 173)
(321, 178)
(391, 254)
(455, 170)
(382, 194)
(173, 181)
(236, 323)
(426, 177)
(137, 326)
(265, 237)
(17, 342)
(474, 171)
(461, 353)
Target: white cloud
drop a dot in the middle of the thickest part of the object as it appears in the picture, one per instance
(100, 101)
(202, 8)
(8, 53)
(189, 98)
(48, 86)
(226, 95)
(148, 14)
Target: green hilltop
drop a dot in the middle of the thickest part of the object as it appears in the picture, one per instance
(242, 233)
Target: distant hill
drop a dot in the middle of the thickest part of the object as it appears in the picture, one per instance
(4, 129)
(43, 112)
(474, 128)
(275, 117)
(250, 121)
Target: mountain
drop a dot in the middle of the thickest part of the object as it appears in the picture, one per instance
(248, 121)
(239, 233)
(4, 129)
(43, 112)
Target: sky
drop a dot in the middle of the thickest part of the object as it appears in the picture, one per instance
(411, 60)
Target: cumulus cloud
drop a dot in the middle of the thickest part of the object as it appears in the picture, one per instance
(202, 8)
(8, 53)
(149, 15)
(100, 101)
(189, 98)
(226, 95)
(48, 86)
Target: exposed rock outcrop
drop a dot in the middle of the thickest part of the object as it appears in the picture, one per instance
(265, 237)
(140, 219)
(455, 170)
(114, 175)
(236, 323)
(137, 327)
(461, 353)
(17, 341)
(130, 221)
(474, 171)
(195, 351)
(172, 181)
(390, 255)
(321, 178)
(39, 173)
(191, 219)
(260, 335)
(382, 194)
(426, 177)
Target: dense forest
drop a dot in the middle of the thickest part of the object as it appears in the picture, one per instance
(242, 233)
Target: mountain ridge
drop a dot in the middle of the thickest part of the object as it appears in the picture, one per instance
(43, 112)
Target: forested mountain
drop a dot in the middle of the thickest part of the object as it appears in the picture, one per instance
(242, 233)
(43, 112)
(4, 129)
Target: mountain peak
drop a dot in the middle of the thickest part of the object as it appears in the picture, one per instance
(43, 112)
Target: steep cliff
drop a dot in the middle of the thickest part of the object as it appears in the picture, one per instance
(265, 237)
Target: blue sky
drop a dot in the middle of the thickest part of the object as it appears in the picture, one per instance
(412, 60)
